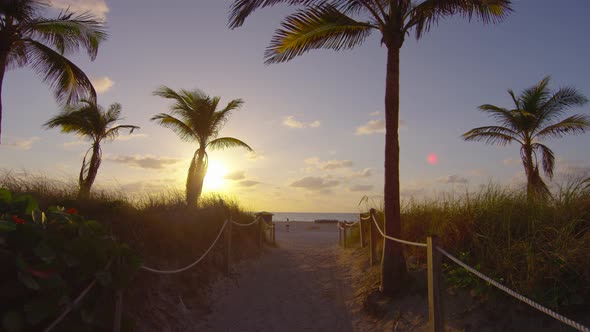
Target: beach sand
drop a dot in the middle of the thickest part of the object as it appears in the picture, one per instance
(297, 286)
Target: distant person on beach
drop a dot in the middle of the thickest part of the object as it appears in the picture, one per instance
(287, 225)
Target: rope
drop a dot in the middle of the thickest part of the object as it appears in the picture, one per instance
(350, 224)
(417, 244)
(245, 225)
(192, 264)
(74, 303)
(365, 218)
(516, 295)
(70, 307)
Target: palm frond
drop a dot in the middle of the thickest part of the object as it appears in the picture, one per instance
(493, 135)
(560, 101)
(21, 10)
(227, 142)
(73, 121)
(426, 14)
(219, 118)
(112, 133)
(313, 28)
(68, 32)
(241, 9)
(183, 131)
(502, 115)
(68, 82)
(575, 124)
(534, 97)
(548, 159)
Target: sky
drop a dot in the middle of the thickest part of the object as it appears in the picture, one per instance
(316, 122)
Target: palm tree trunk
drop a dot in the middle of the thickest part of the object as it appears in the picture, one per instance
(195, 177)
(529, 170)
(86, 183)
(393, 268)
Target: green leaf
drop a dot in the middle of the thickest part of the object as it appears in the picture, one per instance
(40, 309)
(7, 226)
(5, 195)
(12, 321)
(46, 253)
(28, 281)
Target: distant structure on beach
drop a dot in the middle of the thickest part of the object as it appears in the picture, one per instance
(325, 221)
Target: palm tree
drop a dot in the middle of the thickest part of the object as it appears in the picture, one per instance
(194, 118)
(29, 39)
(535, 118)
(91, 122)
(330, 24)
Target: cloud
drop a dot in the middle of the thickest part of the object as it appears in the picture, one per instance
(292, 123)
(98, 8)
(329, 164)
(235, 176)
(253, 155)
(365, 173)
(511, 161)
(453, 179)
(147, 161)
(371, 127)
(314, 183)
(249, 183)
(361, 187)
(377, 113)
(478, 172)
(21, 144)
(130, 137)
(102, 84)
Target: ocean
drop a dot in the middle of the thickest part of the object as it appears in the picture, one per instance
(311, 216)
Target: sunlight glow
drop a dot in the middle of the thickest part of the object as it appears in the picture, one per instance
(214, 180)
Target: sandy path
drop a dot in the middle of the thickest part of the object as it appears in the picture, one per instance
(296, 287)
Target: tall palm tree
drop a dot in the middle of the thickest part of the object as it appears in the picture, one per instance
(330, 24)
(535, 118)
(194, 118)
(93, 123)
(29, 39)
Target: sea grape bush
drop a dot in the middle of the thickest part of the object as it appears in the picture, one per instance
(47, 259)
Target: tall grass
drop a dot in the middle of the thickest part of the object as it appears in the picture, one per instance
(540, 248)
(162, 229)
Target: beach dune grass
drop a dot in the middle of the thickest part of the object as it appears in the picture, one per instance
(538, 248)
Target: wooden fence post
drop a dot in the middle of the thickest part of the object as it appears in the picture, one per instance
(344, 232)
(373, 232)
(273, 236)
(118, 311)
(227, 256)
(361, 231)
(339, 234)
(435, 309)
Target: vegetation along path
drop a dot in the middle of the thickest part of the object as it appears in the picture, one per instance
(295, 287)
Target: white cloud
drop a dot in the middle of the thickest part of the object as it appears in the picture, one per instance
(291, 122)
(314, 183)
(130, 137)
(21, 144)
(98, 8)
(371, 127)
(102, 84)
(235, 175)
(365, 173)
(453, 179)
(147, 161)
(248, 183)
(329, 164)
(512, 162)
(254, 155)
(377, 113)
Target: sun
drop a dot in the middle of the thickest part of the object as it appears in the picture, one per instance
(214, 179)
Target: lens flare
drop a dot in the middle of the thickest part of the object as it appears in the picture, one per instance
(432, 159)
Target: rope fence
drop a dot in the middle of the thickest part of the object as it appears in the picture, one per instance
(434, 271)
(225, 228)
